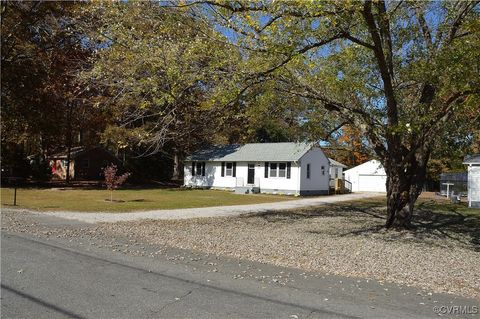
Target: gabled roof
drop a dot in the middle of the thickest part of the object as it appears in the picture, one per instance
(335, 163)
(254, 152)
(472, 159)
(372, 167)
(76, 151)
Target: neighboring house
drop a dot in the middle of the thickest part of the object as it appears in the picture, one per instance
(367, 177)
(283, 168)
(473, 163)
(85, 163)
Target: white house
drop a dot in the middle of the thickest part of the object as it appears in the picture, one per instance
(283, 168)
(367, 177)
(473, 163)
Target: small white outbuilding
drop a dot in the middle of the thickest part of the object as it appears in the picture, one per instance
(473, 163)
(367, 177)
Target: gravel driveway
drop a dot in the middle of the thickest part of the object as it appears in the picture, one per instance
(216, 211)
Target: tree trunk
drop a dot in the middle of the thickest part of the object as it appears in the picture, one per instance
(397, 198)
(176, 166)
(69, 142)
(404, 185)
(69, 149)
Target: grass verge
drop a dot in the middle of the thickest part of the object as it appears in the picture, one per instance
(127, 200)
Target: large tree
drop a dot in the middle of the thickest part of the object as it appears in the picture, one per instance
(42, 52)
(405, 73)
(157, 70)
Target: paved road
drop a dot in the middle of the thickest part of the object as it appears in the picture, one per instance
(216, 211)
(62, 279)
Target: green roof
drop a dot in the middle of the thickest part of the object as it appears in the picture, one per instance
(253, 152)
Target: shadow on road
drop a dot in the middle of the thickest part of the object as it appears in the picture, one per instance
(42, 303)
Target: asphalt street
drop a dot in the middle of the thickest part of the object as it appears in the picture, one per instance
(67, 279)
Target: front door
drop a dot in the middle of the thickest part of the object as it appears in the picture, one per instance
(251, 174)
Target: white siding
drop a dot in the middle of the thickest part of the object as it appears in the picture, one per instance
(336, 169)
(280, 183)
(367, 177)
(317, 181)
(293, 185)
(213, 177)
(474, 186)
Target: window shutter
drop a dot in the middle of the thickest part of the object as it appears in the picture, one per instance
(234, 169)
(203, 169)
(289, 168)
(223, 169)
(193, 168)
(266, 169)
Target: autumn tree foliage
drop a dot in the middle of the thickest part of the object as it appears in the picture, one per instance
(43, 109)
(112, 180)
(351, 147)
(403, 73)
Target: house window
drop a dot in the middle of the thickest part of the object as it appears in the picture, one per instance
(282, 169)
(323, 170)
(198, 169)
(308, 170)
(229, 169)
(273, 169)
(64, 163)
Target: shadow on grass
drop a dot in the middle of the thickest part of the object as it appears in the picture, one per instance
(432, 223)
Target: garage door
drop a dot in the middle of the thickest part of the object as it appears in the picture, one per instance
(372, 183)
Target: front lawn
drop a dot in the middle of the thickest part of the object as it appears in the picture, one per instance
(127, 200)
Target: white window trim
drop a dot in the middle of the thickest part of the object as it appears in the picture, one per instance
(277, 170)
(226, 169)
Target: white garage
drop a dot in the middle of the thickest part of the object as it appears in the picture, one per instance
(367, 177)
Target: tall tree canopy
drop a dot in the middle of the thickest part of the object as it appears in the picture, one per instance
(405, 73)
(42, 52)
(158, 69)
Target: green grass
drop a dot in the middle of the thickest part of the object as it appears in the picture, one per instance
(127, 200)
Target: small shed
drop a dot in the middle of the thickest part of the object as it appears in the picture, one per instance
(85, 163)
(473, 164)
(367, 177)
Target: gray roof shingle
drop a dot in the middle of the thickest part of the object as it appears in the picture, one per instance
(254, 152)
(472, 159)
(335, 163)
